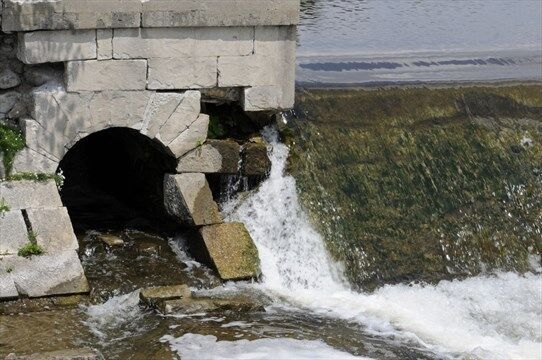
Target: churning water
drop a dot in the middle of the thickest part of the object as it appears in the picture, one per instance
(490, 316)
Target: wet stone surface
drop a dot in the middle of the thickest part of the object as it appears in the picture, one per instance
(113, 321)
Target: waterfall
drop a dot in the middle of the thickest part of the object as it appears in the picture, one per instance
(489, 316)
(292, 253)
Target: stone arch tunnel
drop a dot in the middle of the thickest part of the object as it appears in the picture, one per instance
(121, 96)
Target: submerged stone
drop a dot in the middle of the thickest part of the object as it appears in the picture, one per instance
(231, 250)
(111, 240)
(155, 295)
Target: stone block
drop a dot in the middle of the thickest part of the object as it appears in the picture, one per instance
(255, 160)
(53, 229)
(59, 273)
(252, 70)
(70, 14)
(106, 75)
(184, 73)
(191, 138)
(54, 46)
(26, 194)
(182, 42)
(104, 42)
(279, 43)
(2, 167)
(13, 233)
(7, 285)
(188, 198)
(154, 295)
(184, 117)
(160, 108)
(231, 250)
(215, 156)
(9, 79)
(28, 160)
(262, 98)
(166, 13)
(8, 101)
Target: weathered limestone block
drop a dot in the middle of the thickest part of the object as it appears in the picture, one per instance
(28, 160)
(188, 198)
(262, 98)
(117, 109)
(53, 229)
(26, 194)
(8, 101)
(104, 40)
(232, 250)
(183, 117)
(165, 13)
(184, 73)
(9, 79)
(70, 14)
(7, 285)
(53, 46)
(279, 42)
(249, 70)
(106, 75)
(160, 108)
(192, 137)
(58, 273)
(13, 234)
(182, 42)
(255, 160)
(215, 156)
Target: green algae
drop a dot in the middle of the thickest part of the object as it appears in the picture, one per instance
(422, 184)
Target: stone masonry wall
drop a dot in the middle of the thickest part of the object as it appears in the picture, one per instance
(70, 68)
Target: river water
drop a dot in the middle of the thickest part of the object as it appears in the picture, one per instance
(382, 41)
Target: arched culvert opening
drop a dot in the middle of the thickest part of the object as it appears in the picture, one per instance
(114, 180)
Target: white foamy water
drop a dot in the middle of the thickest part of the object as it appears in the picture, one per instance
(491, 317)
(116, 318)
(194, 346)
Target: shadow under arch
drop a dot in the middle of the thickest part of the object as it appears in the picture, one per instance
(114, 180)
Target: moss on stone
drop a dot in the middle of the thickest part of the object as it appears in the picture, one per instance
(422, 183)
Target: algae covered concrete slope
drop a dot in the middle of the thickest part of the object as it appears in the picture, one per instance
(419, 183)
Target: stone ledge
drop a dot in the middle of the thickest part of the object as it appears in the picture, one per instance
(102, 14)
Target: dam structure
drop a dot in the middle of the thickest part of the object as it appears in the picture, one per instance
(154, 74)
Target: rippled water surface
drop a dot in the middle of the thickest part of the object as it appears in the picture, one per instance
(480, 39)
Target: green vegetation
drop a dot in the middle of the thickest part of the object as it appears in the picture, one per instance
(9, 270)
(3, 206)
(31, 248)
(11, 141)
(58, 178)
(216, 129)
(420, 183)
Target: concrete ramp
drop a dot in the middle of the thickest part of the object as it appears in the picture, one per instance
(33, 213)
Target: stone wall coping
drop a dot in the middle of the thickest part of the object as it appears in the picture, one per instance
(29, 15)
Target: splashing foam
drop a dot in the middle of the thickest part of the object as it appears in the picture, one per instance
(116, 318)
(192, 346)
(486, 316)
